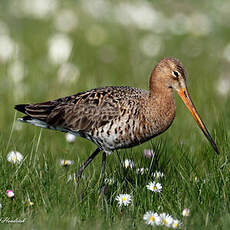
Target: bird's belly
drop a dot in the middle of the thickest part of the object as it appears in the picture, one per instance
(123, 134)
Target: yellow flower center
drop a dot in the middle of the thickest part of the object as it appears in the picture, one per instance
(164, 221)
(31, 203)
(123, 198)
(152, 218)
(155, 187)
(175, 225)
(14, 158)
(65, 162)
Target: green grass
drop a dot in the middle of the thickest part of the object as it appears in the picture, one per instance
(195, 177)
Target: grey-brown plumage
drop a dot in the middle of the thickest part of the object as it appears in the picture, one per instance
(118, 117)
(111, 117)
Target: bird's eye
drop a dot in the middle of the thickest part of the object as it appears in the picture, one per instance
(175, 74)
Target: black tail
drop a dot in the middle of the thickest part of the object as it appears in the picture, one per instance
(38, 114)
(21, 107)
(39, 111)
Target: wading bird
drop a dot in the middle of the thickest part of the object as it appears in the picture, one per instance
(118, 117)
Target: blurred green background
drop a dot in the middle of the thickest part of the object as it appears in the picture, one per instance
(51, 48)
(55, 48)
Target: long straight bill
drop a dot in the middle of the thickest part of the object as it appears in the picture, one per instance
(183, 93)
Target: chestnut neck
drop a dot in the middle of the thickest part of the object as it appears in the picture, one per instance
(157, 86)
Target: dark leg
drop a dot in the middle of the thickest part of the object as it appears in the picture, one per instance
(103, 173)
(103, 167)
(86, 163)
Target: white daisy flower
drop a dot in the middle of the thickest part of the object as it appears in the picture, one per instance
(124, 199)
(176, 224)
(186, 212)
(66, 162)
(14, 157)
(70, 137)
(152, 218)
(153, 186)
(166, 219)
(158, 175)
(128, 163)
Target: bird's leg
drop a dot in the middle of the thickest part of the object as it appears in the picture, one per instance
(103, 167)
(102, 187)
(86, 163)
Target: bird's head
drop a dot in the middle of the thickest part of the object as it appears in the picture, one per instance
(170, 73)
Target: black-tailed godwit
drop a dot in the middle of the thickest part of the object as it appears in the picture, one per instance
(118, 117)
